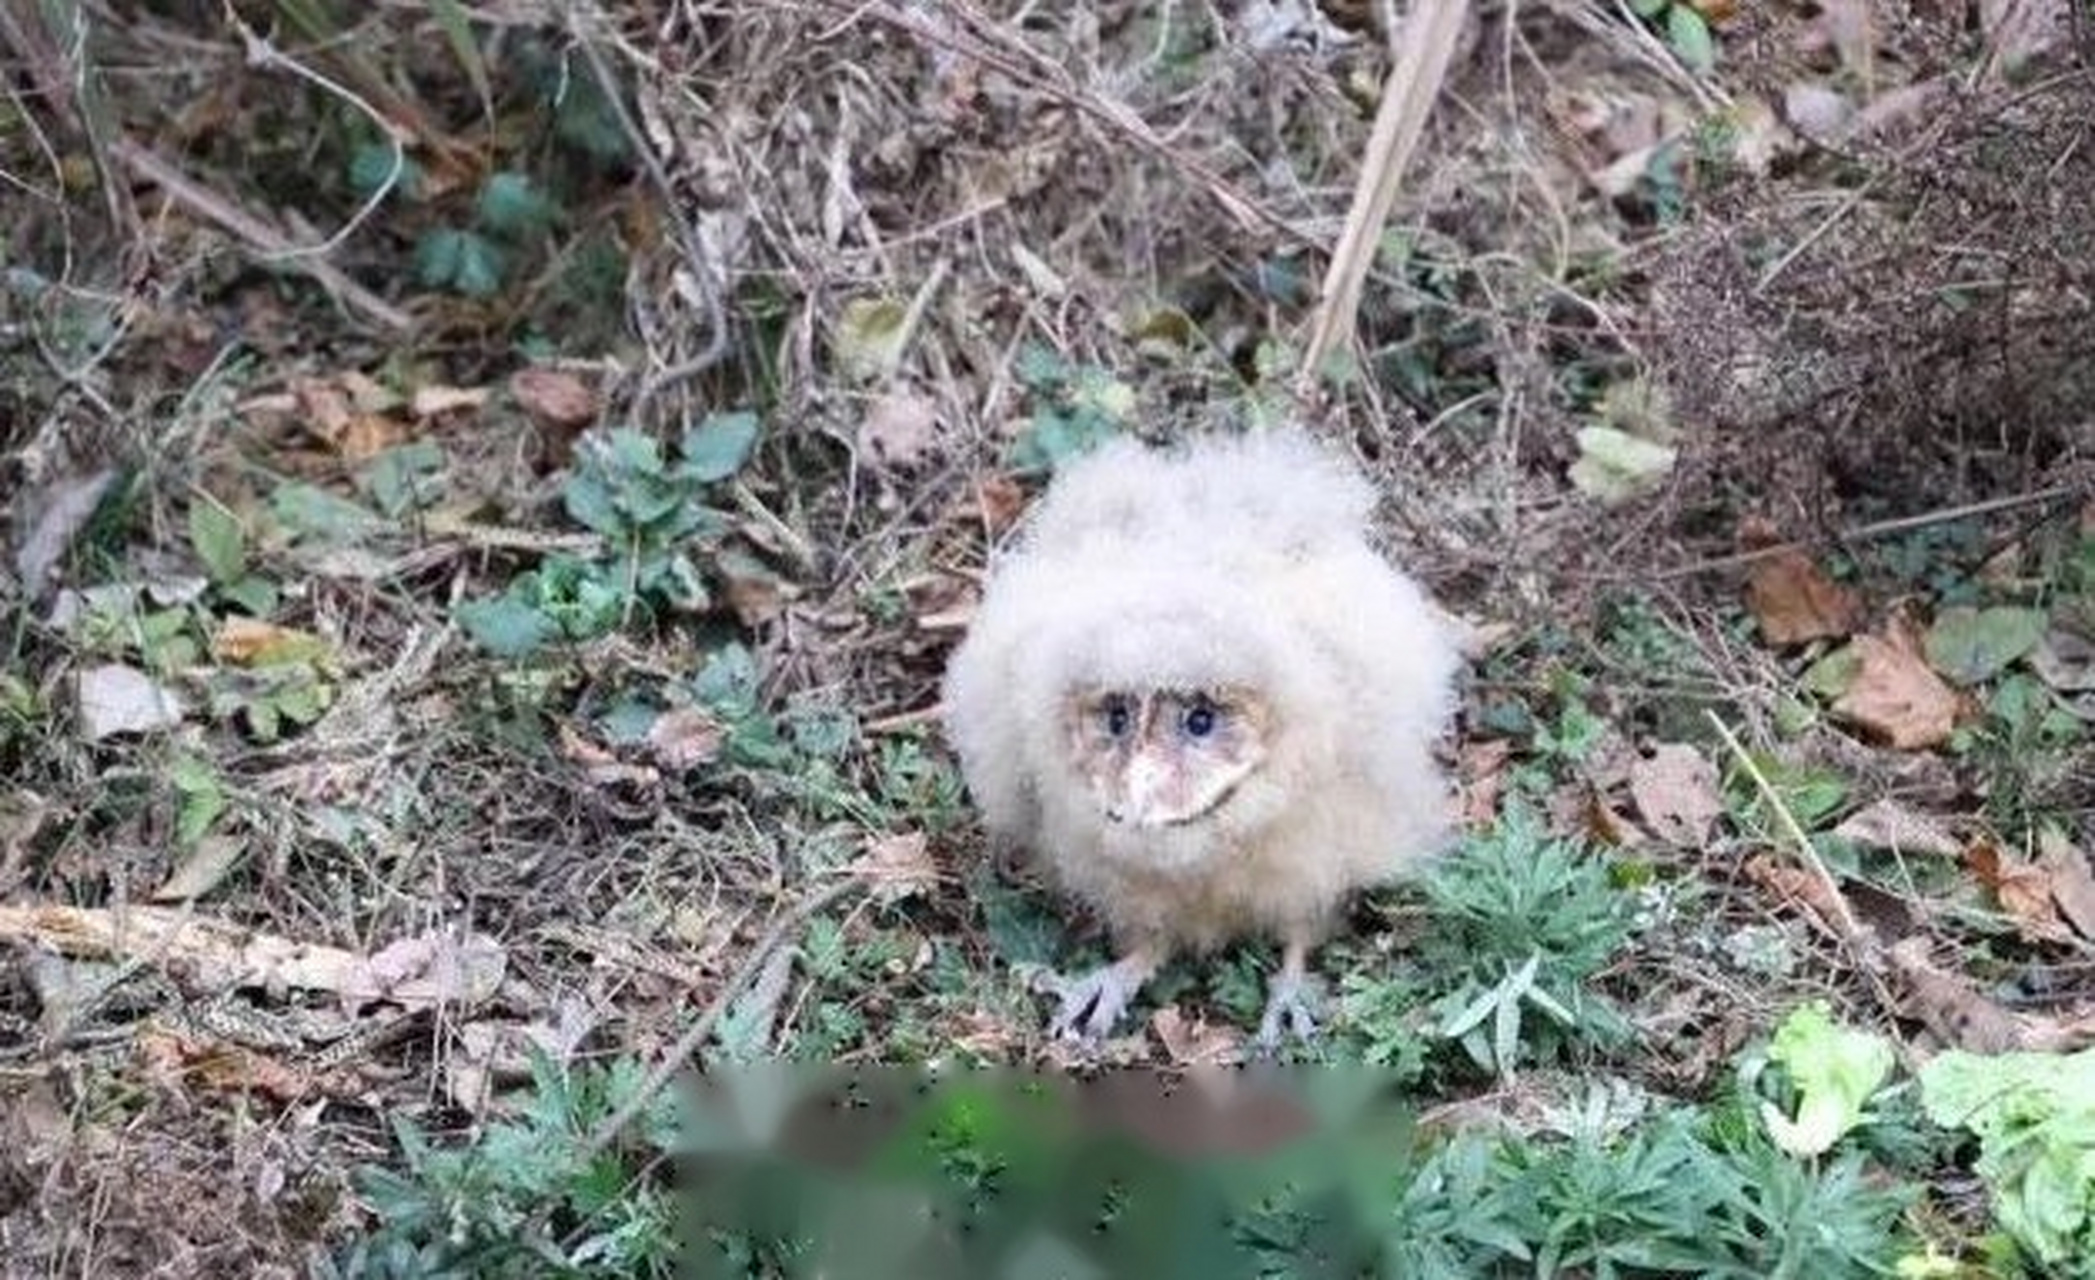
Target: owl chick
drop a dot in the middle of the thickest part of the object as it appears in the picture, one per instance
(1196, 693)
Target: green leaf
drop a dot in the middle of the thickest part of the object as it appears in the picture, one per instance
(463, 261)
(511, 207)
(256, 597)
(504, 627)
(590, 501)
(2034, 1114)
(1969, 645)
(1615, 466)
(1835, 1069)
(1690, 37)
(405, 477)
(310, 511)
(717, 447)
(216, 536)
(1054, 438)
(203, 799)
(301, 703)
(869, 337)
(634, 453)
(372, 164)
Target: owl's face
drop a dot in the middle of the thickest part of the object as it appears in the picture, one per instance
(1164, 758)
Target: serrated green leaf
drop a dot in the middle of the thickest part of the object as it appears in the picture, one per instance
(504, 627)
(718, 447)
(218, 540)
(591, 503)
(633, 452)
(1970, 645)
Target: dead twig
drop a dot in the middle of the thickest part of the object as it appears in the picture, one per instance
(265, 241)
(1861, 533)
(1430, 37)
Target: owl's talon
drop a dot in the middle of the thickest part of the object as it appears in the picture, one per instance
(1092, 1005)
(1290, 1006)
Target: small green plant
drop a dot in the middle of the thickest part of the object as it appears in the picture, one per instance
(527, 1198)
(1525, 922)
(651, 513)
(2034, 1116)
(1075, 411)
(1684, 27)
(220, 543)
(476, 261)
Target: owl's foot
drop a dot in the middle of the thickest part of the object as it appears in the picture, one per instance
(1092, 1005)
(1291, 1003)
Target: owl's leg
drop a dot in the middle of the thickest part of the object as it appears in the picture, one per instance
(1291, 997)
(1093, 1004)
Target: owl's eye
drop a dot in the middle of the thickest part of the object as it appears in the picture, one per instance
(1117, 716)
(1199, 720)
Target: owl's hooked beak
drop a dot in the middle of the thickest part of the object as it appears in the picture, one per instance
(1154, 790)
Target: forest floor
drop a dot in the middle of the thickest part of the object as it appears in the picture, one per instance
(483, 549)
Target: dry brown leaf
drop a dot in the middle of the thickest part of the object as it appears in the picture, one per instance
(2072, 883)
(1953, 1009)
(984, 1035)
(1794, 601)
(2023, 890)
(1598, 820)
(554, 398)
(1794, 883)
(366, 393)
(324, 406)
(1887, 824)
(1896, 697)
(220, 1066)
(899, 429)
(1676, 793)
(897, 867)
(367, 435)
(754, 592)
(581, 750)
(1192, 1042)
(686, 737)
(250, 642)
(999, 502)
(427, 970)
(201, 871)
(1481, 767)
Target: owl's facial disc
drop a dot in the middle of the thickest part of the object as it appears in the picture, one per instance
(1166, 758)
